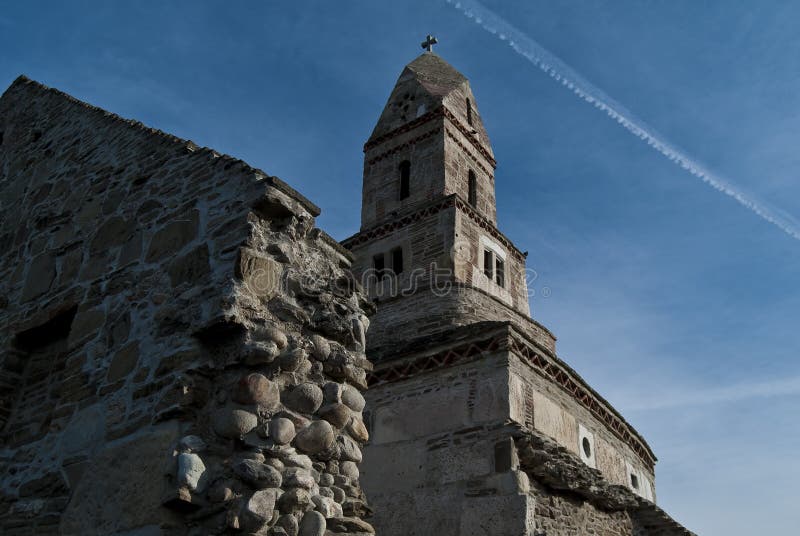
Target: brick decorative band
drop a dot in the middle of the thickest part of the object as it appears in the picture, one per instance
(550, 370)
(421, 120)
(424, 118)
(470, 136)
(469, 153)
(402, 146)
(384, 229)
(541, 364)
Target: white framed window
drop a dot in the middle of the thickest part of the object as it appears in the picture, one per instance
(586, 446)
(493, 262)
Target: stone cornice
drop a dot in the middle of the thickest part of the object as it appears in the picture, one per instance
(547, 365)
(467, 151)
(467, 132)
(421, 120)
(403, 145)
(557, 371)
(401, 220)
(433, 114)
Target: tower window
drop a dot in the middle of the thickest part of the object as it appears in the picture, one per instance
(500, 272)
(472, 194)
(634, 481)
(379, 265)
(469, 112)
(397, 260)
(488, 263)
(405, 179)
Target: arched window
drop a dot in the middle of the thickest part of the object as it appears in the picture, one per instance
(472, 194)
(469, 112)
(405, 179)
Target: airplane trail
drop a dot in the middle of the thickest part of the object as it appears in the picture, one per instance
(562, 73)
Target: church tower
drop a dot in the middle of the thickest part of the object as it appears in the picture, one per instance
(465, 381)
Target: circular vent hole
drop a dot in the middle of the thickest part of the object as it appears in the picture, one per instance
(587, 447)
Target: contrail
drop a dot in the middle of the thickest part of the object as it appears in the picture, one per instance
(720, 395)
(567, 77)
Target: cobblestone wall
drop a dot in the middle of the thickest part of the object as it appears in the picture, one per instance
(184, 351)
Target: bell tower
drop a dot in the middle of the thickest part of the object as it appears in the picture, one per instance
(429, 250)
(464, 379)
(429, 142)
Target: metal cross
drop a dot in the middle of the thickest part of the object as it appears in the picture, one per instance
(429, 42)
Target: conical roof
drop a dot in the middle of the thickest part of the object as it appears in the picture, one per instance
(435, 74)
(425, 84)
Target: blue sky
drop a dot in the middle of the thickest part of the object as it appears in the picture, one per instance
(674, 301)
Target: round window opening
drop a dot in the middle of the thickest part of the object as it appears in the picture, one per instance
(587, 447)
(634, 481)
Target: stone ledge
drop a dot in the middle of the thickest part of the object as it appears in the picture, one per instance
(465, 343)
(555, 467)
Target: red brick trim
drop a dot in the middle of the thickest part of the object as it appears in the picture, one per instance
(467, 132)
(438, 112)
(489, 227)
(581, 392)
(542, 364)
(402, 146)
(469, 153)
(424, 118)
(384, 229)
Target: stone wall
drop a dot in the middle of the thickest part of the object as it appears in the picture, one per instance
(572, 498)
(431, 456)
(422, 148)
(184, 351)
(428, 312)
(439, 405)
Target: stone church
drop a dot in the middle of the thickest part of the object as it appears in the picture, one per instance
(185, 353)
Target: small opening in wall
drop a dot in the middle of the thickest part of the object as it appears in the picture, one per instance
(397, 260)
(634, 481)
(488, 263)
(500, 273)
(36, 136)
(469, 112)
(379, 264)
(587, 447)
(472, 189)
(1, 137)
(55, 329)
(405, 179)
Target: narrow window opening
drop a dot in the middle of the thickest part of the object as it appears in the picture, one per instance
(405, 179)
(397, 260)
(473, 189)
(634, 481)
(1, 137)
(469, 112)
(500, 275)
(488, 264)
(379, 265)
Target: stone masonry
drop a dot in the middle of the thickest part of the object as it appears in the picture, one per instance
(183, 350)
(477, 426)
(184, 353)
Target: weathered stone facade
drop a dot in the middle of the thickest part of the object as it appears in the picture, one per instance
(184, 351)
(465, 382)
